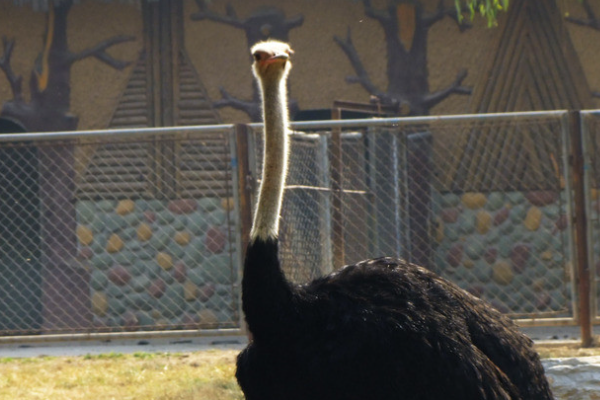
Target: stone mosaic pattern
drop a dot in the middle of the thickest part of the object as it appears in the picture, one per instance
(160, 264)
(509, 248)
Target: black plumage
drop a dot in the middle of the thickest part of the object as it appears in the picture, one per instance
(380, 329)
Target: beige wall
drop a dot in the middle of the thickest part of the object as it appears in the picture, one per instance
(219, 52)
(28, 36)
(586, 42)
(96, 87)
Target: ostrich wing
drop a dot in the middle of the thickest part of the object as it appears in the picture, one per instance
(388, 315)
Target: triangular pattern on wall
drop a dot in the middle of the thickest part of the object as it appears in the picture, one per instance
(130, 169)
(194, 106)
(533, 51)
(532, 66)
(121, 170)
(203, 163)
(135, 105)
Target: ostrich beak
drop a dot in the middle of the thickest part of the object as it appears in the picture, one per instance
(277, 57)
(269, 53)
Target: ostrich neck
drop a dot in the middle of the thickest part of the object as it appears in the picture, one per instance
(266, 294)
(266, 217)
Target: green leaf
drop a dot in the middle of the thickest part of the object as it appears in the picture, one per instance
(459, 15)
(486, 8)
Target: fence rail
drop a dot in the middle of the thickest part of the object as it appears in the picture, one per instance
(140, 232)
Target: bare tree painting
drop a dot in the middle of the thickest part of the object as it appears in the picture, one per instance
(406, 26)
(50, 78)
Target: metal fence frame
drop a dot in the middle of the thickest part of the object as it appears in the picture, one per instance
(241, 158)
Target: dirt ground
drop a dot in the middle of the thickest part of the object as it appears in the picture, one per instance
(569, 350)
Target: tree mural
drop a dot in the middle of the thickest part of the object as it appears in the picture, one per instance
(49, 110)
(264, 23)
(406, 27)
(591, 21)
(50, 78)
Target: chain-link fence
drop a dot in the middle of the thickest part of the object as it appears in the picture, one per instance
(480, 200)
(109, 234)
(142, 231)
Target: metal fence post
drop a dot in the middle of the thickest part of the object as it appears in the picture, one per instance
(581, 231)
(244, 183)
(419, 175)
(326, 210)
(241, 166)
(339, 256)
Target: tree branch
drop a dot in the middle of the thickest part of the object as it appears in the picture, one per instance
(14, 80)
(230, 19)
(362, 76)
(371, 12)
(462, 23)
(438, 15)
(249, 107)
(591, 19)
(99, 51)
(456, 87)
(294, 22)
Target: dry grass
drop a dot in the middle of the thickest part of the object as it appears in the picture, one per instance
(207, 375)
(201, 375)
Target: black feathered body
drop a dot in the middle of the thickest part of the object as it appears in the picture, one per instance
(382, 329)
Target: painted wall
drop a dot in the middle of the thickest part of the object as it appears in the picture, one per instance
(219, 52)
(320, 66)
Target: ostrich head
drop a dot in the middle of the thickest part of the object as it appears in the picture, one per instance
(271, 60)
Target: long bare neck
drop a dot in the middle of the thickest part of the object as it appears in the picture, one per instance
(275, 160)
(266, 294)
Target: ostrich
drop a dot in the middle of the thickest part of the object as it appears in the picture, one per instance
(382, 329)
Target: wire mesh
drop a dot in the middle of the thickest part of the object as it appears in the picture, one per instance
(499, 202)
(110, 235)
(591, 143)
(481, 201)
(308, 225)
